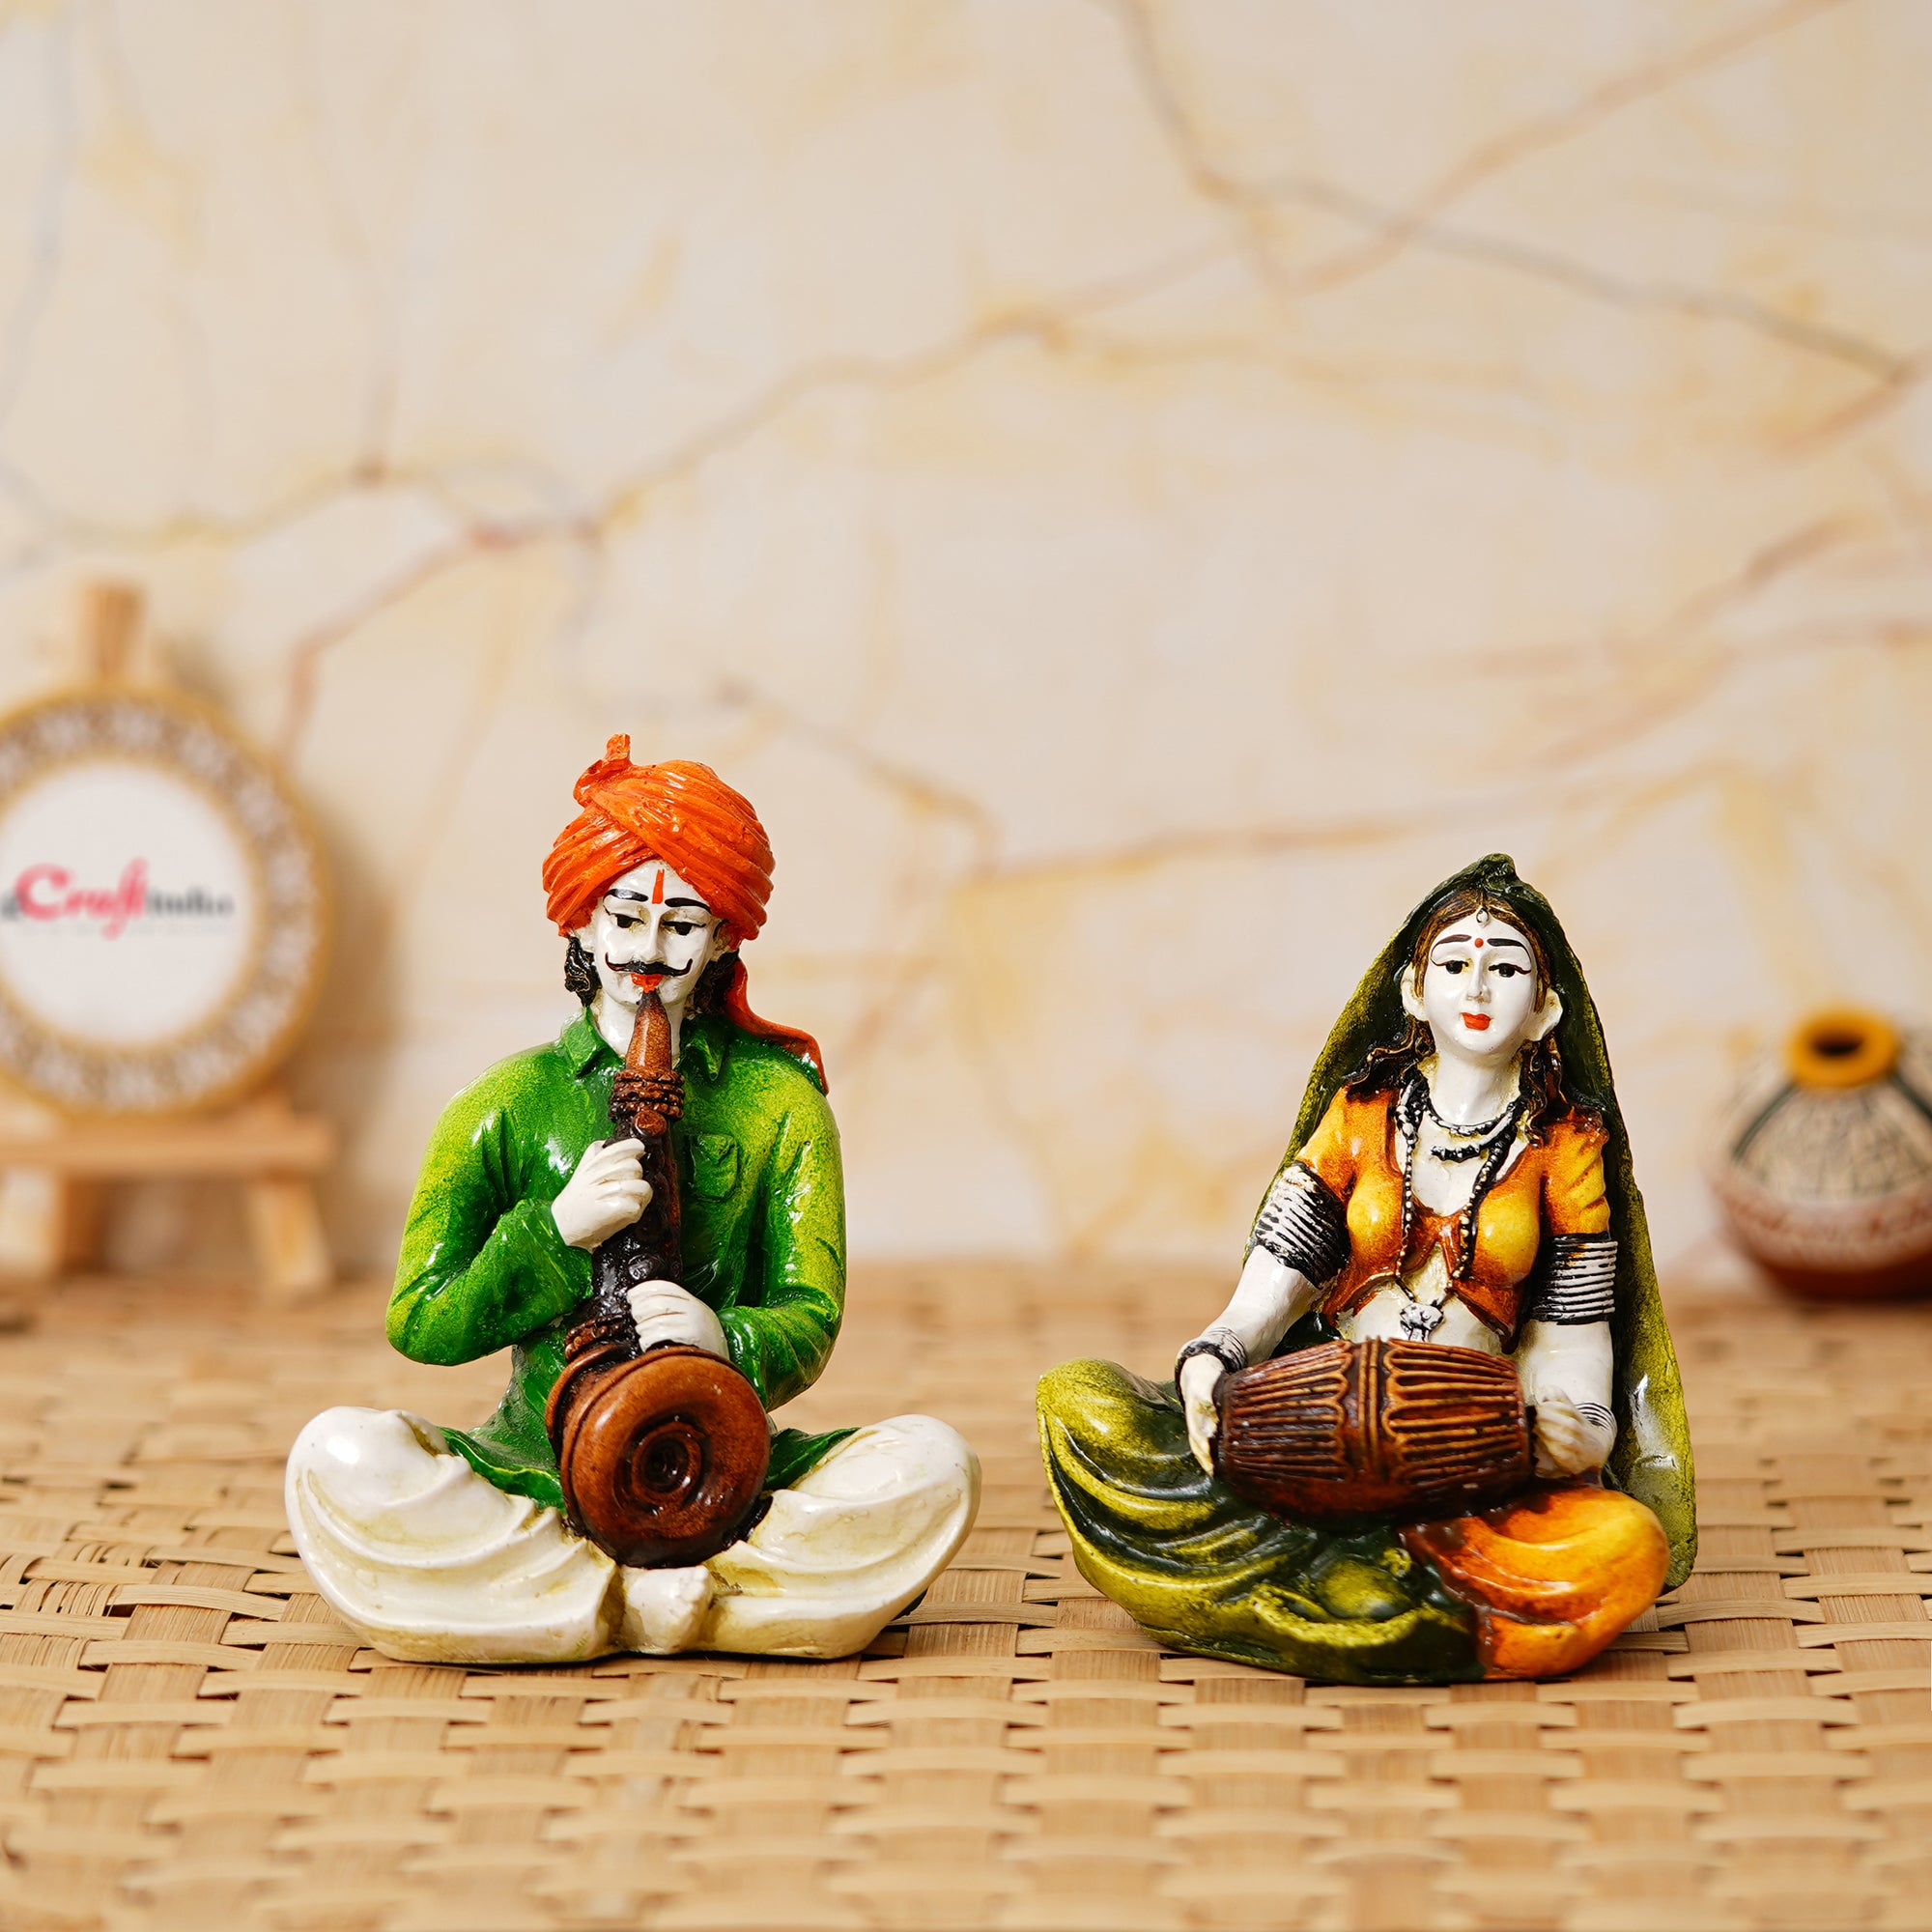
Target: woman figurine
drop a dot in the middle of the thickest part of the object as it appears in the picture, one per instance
(1459, 1175)
(454, 1545)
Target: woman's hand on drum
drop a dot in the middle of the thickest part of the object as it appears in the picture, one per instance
(1200, 1377)
(665, 1312)
(606, 1191)
(1569, 1438)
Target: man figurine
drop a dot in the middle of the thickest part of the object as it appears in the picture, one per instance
(451, 1546)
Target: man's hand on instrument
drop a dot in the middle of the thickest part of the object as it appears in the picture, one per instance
(1571, 1437)
(1200, 1377)
(665, 1312)
(608, 1191)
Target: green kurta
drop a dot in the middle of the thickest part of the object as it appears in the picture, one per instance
(483, 1266)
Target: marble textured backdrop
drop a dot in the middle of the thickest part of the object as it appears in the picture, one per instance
(1134, 492)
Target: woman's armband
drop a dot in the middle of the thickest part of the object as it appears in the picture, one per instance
(1302, 1224)
(1580, 1284)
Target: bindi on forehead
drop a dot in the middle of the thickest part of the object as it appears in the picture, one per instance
(658, 888)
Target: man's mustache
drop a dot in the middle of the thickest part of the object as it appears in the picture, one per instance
(644, 969)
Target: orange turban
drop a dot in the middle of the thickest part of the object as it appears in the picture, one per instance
(687, 815)
(680, 812)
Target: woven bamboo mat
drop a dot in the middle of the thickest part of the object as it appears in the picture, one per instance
(187, 1738)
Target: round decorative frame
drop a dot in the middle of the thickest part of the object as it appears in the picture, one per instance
(276, 988)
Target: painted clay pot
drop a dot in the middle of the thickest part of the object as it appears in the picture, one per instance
(1825, 1164)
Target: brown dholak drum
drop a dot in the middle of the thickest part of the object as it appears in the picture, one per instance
(662, 1454)
(1367, 1429)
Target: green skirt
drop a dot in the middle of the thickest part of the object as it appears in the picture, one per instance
(1204, 1571)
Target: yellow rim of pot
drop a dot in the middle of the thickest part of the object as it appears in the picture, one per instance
(1844, 1046)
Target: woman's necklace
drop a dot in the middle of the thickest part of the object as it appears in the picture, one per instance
(1497, 1137)
(1457, 1126)
(1419, 1320)
(1477, 1136)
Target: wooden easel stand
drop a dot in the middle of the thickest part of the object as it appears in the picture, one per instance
(58, 1174)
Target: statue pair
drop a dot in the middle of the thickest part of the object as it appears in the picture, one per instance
(1436, 1433)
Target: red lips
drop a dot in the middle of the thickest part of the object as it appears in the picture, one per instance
(1476, 1022)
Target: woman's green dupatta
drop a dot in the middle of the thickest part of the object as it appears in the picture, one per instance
(1652, 1459)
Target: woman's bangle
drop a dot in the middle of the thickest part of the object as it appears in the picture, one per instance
(1223, 1343)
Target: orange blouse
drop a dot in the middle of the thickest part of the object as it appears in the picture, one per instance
(1557, 1187)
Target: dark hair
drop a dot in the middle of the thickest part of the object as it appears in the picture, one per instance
(580, 971)
(1389, 1066)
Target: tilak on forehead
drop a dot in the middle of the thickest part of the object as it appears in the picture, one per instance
(686, 815)
(656, 896)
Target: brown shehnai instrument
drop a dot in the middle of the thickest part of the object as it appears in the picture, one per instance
(1368, 1429)
(662, 1454)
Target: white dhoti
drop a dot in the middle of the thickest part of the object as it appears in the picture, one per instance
(430, 1562)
